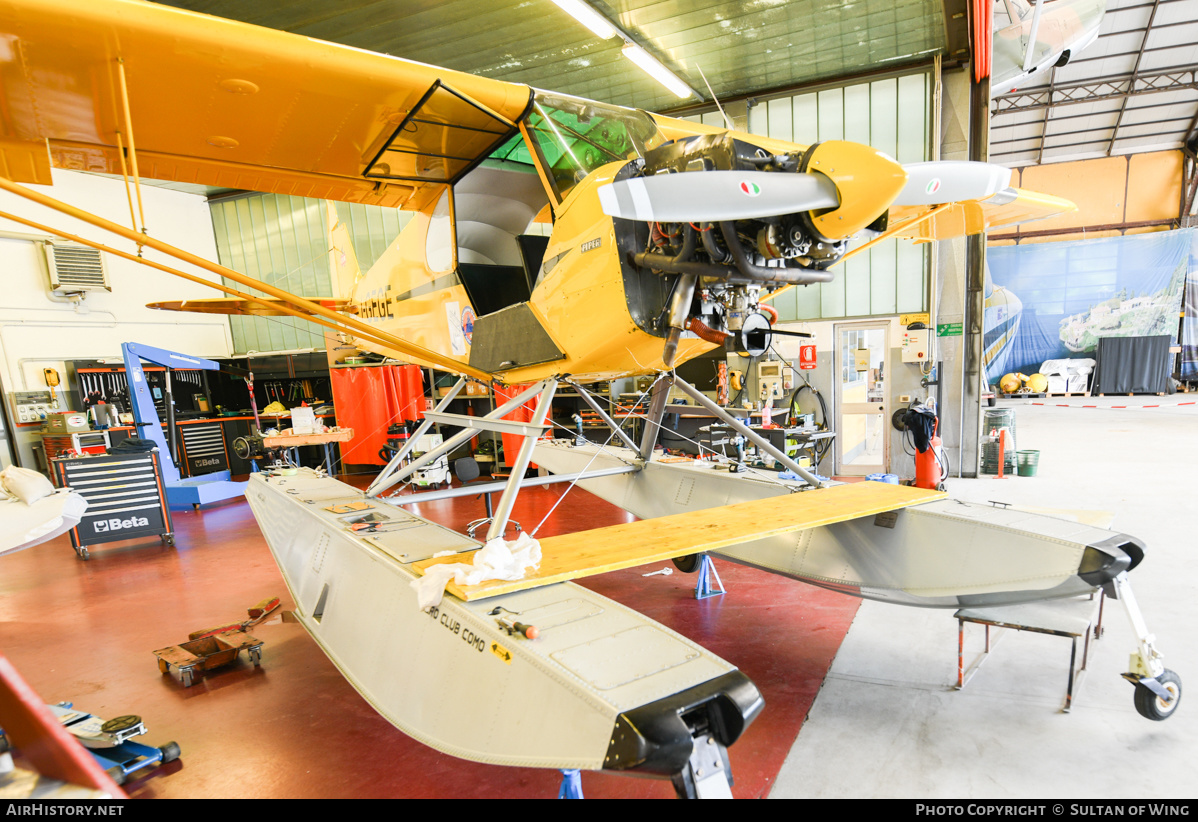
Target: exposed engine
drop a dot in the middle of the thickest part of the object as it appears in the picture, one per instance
(721, 270)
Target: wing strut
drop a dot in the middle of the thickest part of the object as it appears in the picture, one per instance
(1029, 51)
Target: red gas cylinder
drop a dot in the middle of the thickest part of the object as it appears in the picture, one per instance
(927, 463)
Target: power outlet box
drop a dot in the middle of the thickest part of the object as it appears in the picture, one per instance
(32, 407)
(915, 345)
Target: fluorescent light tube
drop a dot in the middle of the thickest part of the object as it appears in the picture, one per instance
(590, 18)
(656, 70)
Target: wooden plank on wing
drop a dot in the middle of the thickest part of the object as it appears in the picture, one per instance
(587, 553)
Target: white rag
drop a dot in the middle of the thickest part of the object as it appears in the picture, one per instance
(498, 559)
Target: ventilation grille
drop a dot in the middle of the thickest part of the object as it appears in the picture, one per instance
(75, 268)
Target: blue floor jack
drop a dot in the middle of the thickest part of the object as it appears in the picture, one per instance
(109, 742)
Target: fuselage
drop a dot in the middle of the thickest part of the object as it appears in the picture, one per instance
(516, 270)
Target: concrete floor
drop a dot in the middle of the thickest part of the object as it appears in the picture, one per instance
(888, 722)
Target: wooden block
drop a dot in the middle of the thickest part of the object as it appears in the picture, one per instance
(598, 551)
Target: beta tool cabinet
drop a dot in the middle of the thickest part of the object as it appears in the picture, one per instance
(125, 498)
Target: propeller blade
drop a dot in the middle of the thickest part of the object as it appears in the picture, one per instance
(715, 196)
(951, 181)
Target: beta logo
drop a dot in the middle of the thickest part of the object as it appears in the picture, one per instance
(749, 189)
(103, 525)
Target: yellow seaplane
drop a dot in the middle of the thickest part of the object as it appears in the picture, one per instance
(554, 240)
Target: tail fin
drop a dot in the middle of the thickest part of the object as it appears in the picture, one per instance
(343, 263)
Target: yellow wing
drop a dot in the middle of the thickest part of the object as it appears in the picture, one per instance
(222, 103)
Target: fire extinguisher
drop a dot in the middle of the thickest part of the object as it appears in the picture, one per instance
(928, 472)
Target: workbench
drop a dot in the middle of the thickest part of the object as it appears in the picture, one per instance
(292, 442)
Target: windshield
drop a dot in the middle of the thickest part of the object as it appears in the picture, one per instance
(576, 136)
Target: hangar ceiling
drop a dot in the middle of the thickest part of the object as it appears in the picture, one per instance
(741, 46)
(1134, 89)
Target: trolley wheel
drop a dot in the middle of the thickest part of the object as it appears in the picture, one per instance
(164, 666)
(187, 677)
(689, 563)
(195, 506)
(170, 752)
(1151, 706)
(83, 554)
(256, 656)
(169, 539)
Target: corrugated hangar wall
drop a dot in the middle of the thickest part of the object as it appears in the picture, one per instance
(283, 241)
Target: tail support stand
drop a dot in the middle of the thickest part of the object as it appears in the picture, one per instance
(703, 587)
(571, 785)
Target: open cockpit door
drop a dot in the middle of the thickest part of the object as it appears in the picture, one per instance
(445, 135)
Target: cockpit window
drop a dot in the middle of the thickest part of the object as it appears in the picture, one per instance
(576, 136)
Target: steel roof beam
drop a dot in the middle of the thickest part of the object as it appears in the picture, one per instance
(1135, 71)
(1095, 143)
(1179, 78)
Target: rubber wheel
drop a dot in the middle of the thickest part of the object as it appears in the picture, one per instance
(1151, 706)
(689, 563)
(170, 752)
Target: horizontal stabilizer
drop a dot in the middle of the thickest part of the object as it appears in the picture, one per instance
(716, 196)
(264, 307)
(598, 551)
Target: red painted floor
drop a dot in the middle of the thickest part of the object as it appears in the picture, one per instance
(85, 631)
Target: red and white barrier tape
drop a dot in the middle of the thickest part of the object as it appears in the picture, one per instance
(1123, 407)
